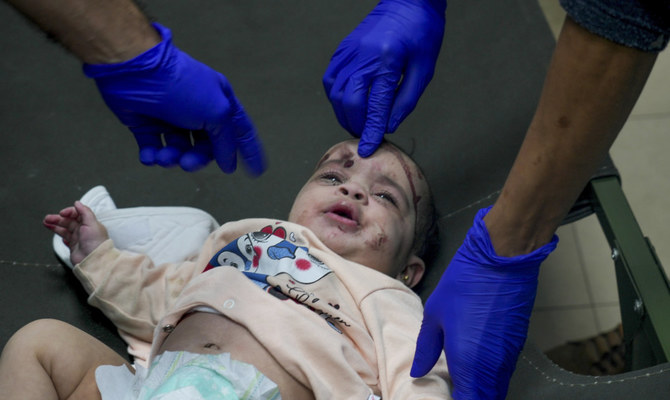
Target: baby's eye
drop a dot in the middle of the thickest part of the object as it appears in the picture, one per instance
(330, 178)
(386, 196)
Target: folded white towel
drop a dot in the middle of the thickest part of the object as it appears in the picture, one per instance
(165, 234)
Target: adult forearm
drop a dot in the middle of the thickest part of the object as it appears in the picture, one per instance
(591, 86)
(95, 31)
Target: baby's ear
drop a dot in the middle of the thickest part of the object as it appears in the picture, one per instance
(413, 272)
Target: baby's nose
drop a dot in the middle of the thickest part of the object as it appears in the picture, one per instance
(353, 191)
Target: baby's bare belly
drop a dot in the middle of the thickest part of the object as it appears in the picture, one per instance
(206, 333)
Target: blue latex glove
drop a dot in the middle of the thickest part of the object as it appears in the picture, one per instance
(479, 314)
(165, 94)
(378, 72)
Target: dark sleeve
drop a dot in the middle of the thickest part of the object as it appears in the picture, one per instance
(641, 24)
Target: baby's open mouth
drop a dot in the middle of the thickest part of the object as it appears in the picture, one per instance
(343, 214)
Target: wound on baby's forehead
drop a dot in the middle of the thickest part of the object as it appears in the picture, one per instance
(322, 160)
(345, 156)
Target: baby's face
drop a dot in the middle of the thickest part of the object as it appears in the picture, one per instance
(364, 209)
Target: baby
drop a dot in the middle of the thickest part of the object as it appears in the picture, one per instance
(319, 306)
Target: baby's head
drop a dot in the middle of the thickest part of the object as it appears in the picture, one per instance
(376, 211)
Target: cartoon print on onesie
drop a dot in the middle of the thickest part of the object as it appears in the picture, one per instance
(268, 253)
(259, 255)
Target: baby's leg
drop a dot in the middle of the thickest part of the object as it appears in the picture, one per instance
(49, 359)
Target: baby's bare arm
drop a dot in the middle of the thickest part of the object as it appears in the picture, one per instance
(80, 229)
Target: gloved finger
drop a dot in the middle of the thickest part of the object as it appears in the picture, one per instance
(380, 101)
(192, 161)
(223, 134)
(329, 76)
(148, 134)
(355, 102)
(248, 143)
(148, 143)
(428, 348)
(336, 97)
(224, 148)
(200, 155)
(414, 82)
(177, 142)
(342, 57)
(349, 77)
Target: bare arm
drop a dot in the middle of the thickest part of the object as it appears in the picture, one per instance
(590, 89)
(95, 31)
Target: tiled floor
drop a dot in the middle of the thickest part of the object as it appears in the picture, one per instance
(577, 295)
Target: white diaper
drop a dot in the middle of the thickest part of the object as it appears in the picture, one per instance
(182, 375)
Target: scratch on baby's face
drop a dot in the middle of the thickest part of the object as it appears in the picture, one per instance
(380, 238)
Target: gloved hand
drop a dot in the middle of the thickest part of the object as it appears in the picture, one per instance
(479, 314)
(164, 92)
(379, 71)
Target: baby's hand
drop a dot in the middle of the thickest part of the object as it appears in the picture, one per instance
(79, 228)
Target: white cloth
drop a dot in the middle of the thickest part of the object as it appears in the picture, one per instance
(165, 234)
